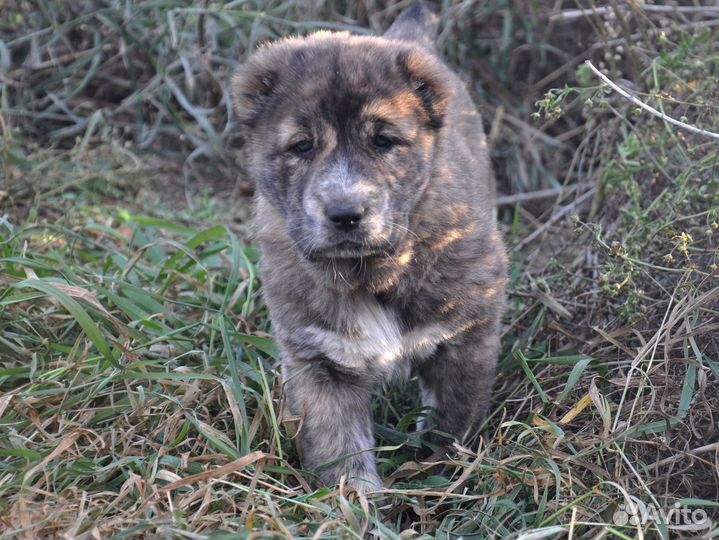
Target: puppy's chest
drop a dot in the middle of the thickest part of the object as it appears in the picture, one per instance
(371, 337)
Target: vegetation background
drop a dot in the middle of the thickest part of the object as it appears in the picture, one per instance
(139, 395)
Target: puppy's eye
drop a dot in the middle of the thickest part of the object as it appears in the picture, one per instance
(382, 142)
(302, 147)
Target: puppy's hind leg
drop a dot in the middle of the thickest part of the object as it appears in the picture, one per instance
(336, 435)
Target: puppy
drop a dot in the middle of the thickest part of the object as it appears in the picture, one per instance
(380, 255)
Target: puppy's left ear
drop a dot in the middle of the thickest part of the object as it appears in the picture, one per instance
(428, 78)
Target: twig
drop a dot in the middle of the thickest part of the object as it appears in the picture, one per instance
(572, 14)
(223, 470)
(530, 131)
(509, 200)
(556, 217)
(713, 447)
(534, 132)
(639, 103)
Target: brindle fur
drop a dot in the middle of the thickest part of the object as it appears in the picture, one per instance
(418, 287)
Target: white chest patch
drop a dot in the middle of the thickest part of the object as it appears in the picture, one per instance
(376, 340)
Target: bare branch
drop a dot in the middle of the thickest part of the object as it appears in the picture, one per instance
(639, 103)
(573, 14)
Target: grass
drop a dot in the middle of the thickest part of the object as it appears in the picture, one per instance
(139, 391)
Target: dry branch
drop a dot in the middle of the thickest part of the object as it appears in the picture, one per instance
(639, 103)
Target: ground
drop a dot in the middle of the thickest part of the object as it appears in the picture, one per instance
(139, 392)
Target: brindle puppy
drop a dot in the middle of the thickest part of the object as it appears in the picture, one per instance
(380, 254)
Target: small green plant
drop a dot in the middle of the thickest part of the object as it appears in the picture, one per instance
(550, 107)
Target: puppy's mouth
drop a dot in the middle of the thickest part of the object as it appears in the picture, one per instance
(350, 250)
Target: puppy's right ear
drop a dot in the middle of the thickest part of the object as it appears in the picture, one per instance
(253, 84)
(427, 78)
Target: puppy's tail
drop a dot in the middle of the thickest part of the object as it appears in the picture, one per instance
(416, 23)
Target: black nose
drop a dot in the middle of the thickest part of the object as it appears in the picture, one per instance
(345, 217)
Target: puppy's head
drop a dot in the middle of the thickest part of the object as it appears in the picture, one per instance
(341, 132)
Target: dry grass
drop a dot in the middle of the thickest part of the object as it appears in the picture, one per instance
(139, 395)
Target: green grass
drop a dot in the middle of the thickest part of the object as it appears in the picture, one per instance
(139, 387)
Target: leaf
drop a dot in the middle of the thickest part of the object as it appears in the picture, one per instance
(75, 309)
(574, 411)
(545, 532)
(573, 378)
(158, 223)
(264, 344)
(523, 362)
(223, 470)
(600, 403)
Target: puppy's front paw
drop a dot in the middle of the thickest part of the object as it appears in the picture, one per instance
(364, 482)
